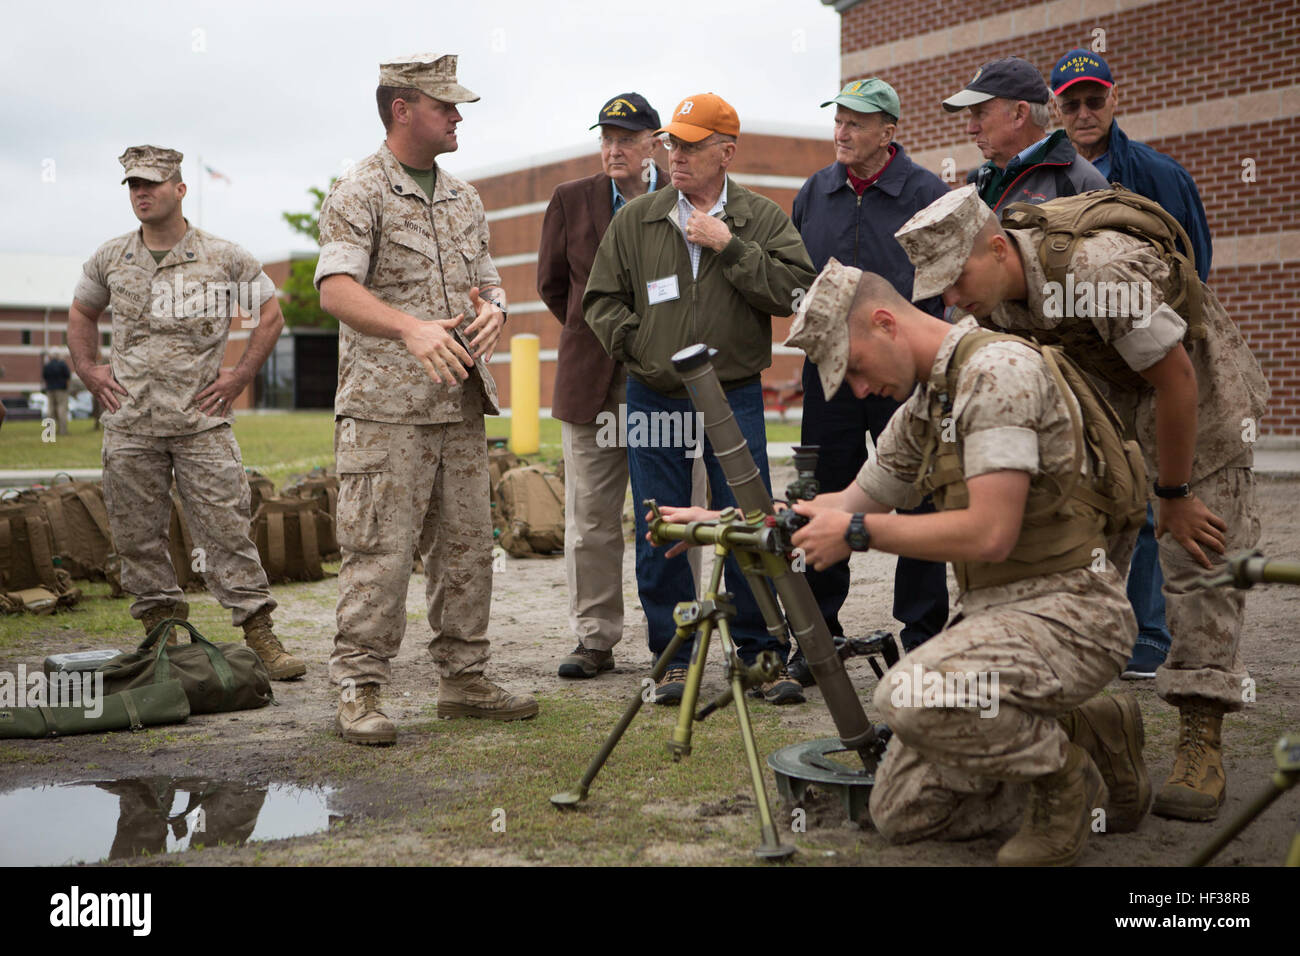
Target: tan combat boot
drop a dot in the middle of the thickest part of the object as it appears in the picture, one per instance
(280, 664)
(1058, 816)
(1110, 730)
(1197, 785)
(473, 695)
(156, 615)
(360, 721)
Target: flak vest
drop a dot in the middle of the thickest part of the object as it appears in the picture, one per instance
(1066, 525)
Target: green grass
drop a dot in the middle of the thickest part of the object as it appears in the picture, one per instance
(277, 444)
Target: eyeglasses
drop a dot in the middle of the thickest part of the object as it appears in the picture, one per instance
(688, 149)
(622, 142)
(1094, 103)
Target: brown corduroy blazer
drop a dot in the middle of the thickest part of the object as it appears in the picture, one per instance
(576, 220)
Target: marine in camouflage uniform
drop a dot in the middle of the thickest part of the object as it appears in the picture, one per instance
(1136, 354)
(168, 400)
(1043, 644)
(404, 266)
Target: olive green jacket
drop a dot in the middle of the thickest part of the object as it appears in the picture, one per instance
(729, 306)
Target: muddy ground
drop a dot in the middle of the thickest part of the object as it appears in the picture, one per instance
(415, 803)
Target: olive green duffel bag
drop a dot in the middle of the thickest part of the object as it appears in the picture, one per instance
(216, 677)
(147, 706)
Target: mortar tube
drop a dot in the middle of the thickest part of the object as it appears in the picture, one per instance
(705, 391)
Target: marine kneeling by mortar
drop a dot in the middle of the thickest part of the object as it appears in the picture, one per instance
(1040, 545)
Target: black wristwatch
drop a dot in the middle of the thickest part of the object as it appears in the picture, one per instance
(1173, 491)
(857, 535)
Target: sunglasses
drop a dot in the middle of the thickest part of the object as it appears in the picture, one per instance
(1094, 103)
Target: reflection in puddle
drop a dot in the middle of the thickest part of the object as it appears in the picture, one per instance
(93, 819)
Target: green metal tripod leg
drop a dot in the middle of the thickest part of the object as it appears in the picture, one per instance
(573, 797)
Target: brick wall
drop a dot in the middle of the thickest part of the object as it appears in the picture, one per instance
(1166, 57)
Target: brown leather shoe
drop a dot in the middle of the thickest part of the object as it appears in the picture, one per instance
(360, 721)
(156, 615)
(473, 695)
(258, 635)
(1058, 816)
(1110, 730)
(1198, 784)
(586, 662)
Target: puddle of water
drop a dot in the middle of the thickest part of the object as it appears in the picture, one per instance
(92, 820)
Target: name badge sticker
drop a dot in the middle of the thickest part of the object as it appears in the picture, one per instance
(662, 290)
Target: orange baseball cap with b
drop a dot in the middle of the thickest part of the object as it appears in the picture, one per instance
(700, 116)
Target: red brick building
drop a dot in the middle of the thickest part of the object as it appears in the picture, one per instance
(1216, 86)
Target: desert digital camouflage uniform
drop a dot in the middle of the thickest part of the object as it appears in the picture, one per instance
(411, 452)
(1204, 660)
(1053, 640)
(170, 324)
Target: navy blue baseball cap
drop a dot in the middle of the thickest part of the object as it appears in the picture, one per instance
(1009, 78)
(1080, 64)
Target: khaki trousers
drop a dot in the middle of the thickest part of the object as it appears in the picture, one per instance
(403, 490)
(214, 492)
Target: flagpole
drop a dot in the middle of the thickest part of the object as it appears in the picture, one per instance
(198, 221)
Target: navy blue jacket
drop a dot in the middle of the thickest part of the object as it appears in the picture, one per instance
(1151, 173)
(834, 222)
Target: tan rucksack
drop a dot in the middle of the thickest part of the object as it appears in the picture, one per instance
(285, 532)
(79, 522)
(29, 577)
(260, 487)
(530, 514)
(320, 485)
(1068, 219)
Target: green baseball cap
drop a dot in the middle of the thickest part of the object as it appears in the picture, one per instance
(872, 95)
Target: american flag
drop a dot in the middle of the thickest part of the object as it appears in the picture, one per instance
(216, 175)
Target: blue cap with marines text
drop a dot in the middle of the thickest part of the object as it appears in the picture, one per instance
(1080, 64)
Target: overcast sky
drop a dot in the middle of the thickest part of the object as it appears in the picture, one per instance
(278, 96)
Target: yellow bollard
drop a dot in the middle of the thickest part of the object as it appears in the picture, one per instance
(525, 394)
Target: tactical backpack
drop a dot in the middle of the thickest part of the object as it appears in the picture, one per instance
(79, 522)
(500, 460)
(1067, 220)
(259, 487)
(285, 532)
(320, 485)
(530, 516)
(1061, 527)
(30, 578)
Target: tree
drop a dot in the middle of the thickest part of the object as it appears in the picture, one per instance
(301, 302)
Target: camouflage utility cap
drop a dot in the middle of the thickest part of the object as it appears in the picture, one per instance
(939, 239)
(430, 74)
(154, 163)
(821, 327)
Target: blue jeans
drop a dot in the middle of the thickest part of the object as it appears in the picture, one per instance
(1145, 581)
(665, 475)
